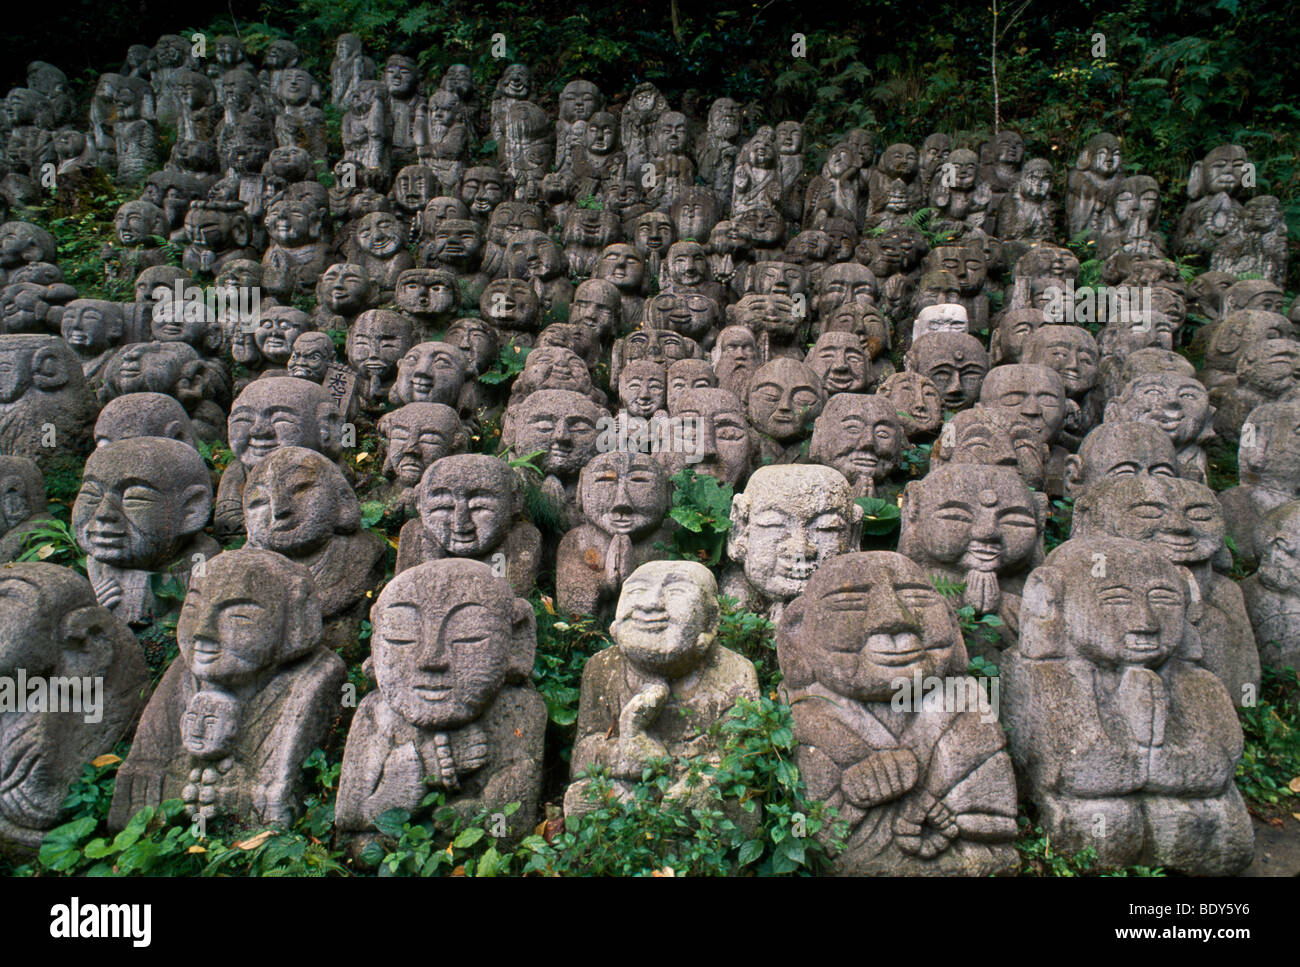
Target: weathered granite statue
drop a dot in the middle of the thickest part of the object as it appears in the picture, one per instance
(661, 345)
(564, 425)
(841, 362)
(860, 436)
(415, 435)
(1214, 187)
(298, 503)
(637, 122)
(349, 68)
(21, 244)
(725, 446)
(143, 414)
(1072, 353)
(643, 388)
(343, 293)
(366, 130)
(1267, 370)
(23, 506)
(1180, 406)
(470, 506)
(1268, 460)
(735, 359)
(623, 498)
(962, 200)
(1272, 593)
(136, 225)
(1257, 245)
(216, 233)
(688, 374)
(46, 406)
(785, 397)
(430, 372)
(54, 631)
(1117, 450)
(838, 192)
(557, 368)
(587, 232)
(92, 327)
(1116, 726)
(954, 362)
(917, 403)
(268, 414)
(1007, 343)
(298, 253)
(441, 136)
(452, 655)
(141, 511)
(376, 341)
(597, 308)
(625, 268)
(662, 685)
(1092, 184)
(253, 693)
(1182, 520)
(300, 122)
(1000, 163)
(990, 436)
(926, 789)
(979, 525)
(788, 522)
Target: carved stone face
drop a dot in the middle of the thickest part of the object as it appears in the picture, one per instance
(481, 189)
(431, 372)
(776, 315)
(666, 617)
(440, 209)
(624, 493)
(1224, 167)
(643, 387)
(293, 223)
(778, 278)
(1271, 367)
(1116, 450)
(510, 304)
(579, 100)
(841, 283)
(294, 501)
(788, 521)
(1279, 556)
(509, 219)
(377, 340)
(670, 132)
(971, 517)
(785, 396)
(623, 265)
(1014, 331)
(426, 292)
(661, 345)
(1238, 330)
(917, 402)
(554, 367)
(413, 187)
(1036, 180)
(954, 362)
(1069, 350)
(737, 352)
(344, 289)
(688, 264)
(690, 313)
(1009, 148)
(283, 412)
(840, 361)
(277, 330)
(597, 308)
(381, 234)
(143, 414)
(476, 340)
(457, 241)
(22, 492)
(864, 322)
(467, 503)
(964, 262)
(694, 213)
(688, 374)
(210, 724)
(400, 76)
(146, 367)
(1176, 403)
(858, 435)
(866, 619)
(900, 161)
(1181, 519)
(516, 81)
(653, 232)
(987, 437)
(417, 434)
(725, 443)
(1033, 396)
(1274, 461)
(809, 246)
(561, 423)
(601, 136)
(140, 500)
(90, 325)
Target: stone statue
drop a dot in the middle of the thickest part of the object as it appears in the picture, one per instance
(93, 328)
(785, 397)
(623, 498)
(46, 407)
(1118, 450)
(141, 511)
(254, 691)
(788, 522)
(1272, 593)
(1268, 460)
(1180, 406)
(663, 685)
(917, 403)
(925, 788)
(1091, 185)
(954, 362)
(143, 414)
(564, 426)
(735, 359)
(376, 341)
(470, 506)
(452, 655)
(860, 436)
(23, 507)
(298, 503)
(991, 436)
(725, 446)
(1214, 186)
(53, 630)
(1138, 739)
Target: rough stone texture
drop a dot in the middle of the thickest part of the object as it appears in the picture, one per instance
(1114, 722)
(917, 403)
(46, 408)
(861, 436)
(924, 790)
(51, 627)
(1268, 461)
(252, 693)
(1272, 593)
(1117, 450)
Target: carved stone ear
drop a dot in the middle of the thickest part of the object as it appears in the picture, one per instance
(240, 230)
(196, 507)
(1085, 160)
(349, 507)
(907, 529)
(48, 370)
(1042, 618)
(1111, 414)
(523, 641)
(855, 527)
(331, 432)
(738, 533)
(1196, 181)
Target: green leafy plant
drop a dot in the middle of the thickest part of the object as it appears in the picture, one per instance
(1269, 771)
(53, 541)
(879, 516)
(702, 508)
